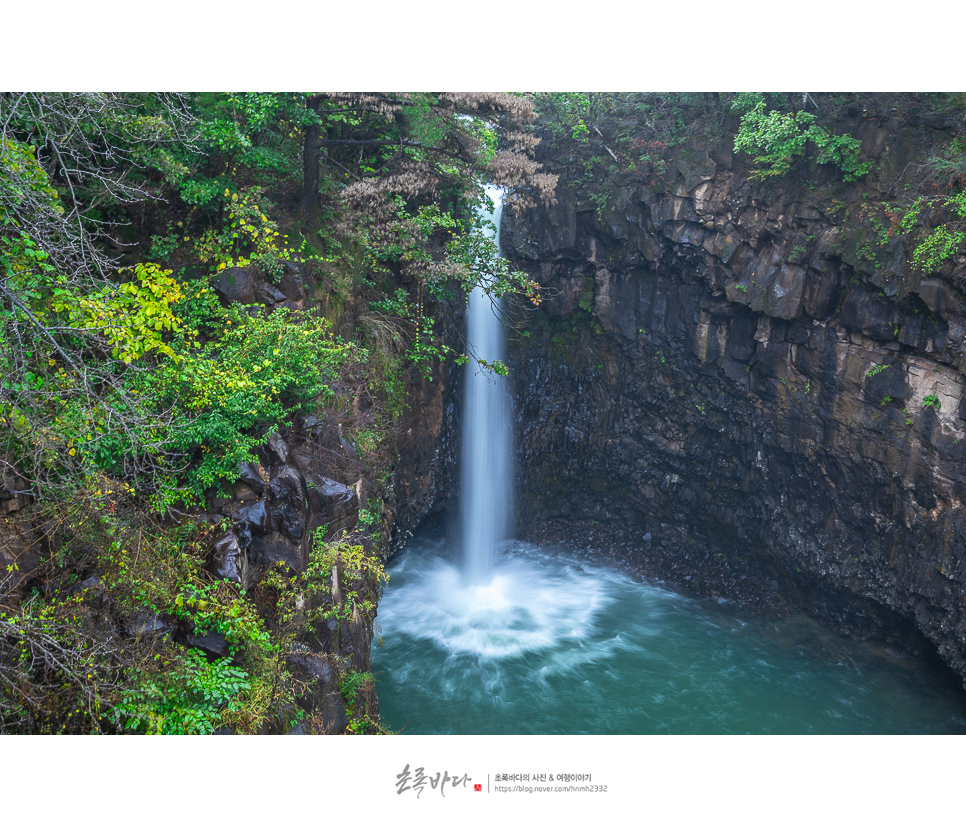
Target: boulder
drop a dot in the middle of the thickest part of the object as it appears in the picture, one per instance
(321, 696)
(254, 476)
(211, 642)
(941, 298)
(889, 382)
(288, 503)
(276, 450)
(331, 500)
(255, 516)
(228, 561)
(870, 314)
(268, 294)
(265, 551)
(236, 285)
(150, 625)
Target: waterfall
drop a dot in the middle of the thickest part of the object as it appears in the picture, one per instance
(545, 641)
(487, 473)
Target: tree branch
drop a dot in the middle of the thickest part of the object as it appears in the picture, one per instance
(398, 143)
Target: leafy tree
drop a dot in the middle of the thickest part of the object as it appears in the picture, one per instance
(72, 318)
(779, 139)
(423, 144)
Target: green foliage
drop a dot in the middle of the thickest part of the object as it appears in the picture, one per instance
(629, 122)
(934, 246)
(957, 205)
(185, 696)
(942, 243)
(580, 131)
(257, 133)
(22, 180)
(246, 236)
(58, 674)
(950, 162)
(358, 570)
(911, 216)
(219, 607)
(226, 396)
(471, 257)
(610, 141)
(931, 401)
(128, 389)
(777, 140)
(369, 516)
(164, 246)
(352, 681)
(352, 685)
(564, 113)
(199, 311)
(427, 124)
(132, 316)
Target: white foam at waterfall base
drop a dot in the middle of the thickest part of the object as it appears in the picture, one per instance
(522, 607)
(554, 642)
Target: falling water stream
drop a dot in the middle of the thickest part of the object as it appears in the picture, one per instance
(486, 473)
(498, 636)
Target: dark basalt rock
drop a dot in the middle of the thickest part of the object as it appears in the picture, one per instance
(255, 516)
(275, 450)
(228, 561)
(942, 299)
(252, 475)
(268, 294)
(322, 697)
(236, 285)
(149, 625)
(331, 500)
(288, 507)
(886, 383)
(21, 555)
(293, 285)
(94, 591)
(212, 643)
(865, 311)
(727, 399)
(275, 547)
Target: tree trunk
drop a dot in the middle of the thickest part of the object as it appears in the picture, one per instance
(310, 163)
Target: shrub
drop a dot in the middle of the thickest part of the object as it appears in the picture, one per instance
(940, 244)
(185, 696)
(777, 139)
(227, 396)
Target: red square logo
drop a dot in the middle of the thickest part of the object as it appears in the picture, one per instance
(477, 787)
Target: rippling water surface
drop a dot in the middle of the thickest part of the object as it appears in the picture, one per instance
(552, 644)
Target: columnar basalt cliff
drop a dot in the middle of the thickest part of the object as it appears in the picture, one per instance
(730, 371)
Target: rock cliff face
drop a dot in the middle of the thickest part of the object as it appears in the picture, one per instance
(731, 374)
(311, 475)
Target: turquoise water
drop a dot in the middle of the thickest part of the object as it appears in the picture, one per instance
(554, 644)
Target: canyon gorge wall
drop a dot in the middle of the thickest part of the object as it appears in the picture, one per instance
(741, 371)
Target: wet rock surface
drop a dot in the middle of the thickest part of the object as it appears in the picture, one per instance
(717, 369)
(678, 566)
